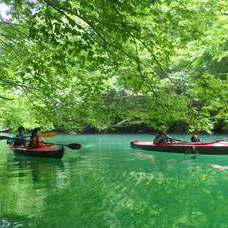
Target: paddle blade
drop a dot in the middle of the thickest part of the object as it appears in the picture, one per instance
(48, 134)
(74, 146)
(2, 137)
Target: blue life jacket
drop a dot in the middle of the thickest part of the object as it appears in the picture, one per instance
(19, 140)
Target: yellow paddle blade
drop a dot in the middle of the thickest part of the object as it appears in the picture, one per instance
(48, 134)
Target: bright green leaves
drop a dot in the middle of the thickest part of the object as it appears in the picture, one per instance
(213, 93)
(70, 57)
(202, 65)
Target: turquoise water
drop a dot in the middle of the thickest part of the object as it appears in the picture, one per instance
(109, 184)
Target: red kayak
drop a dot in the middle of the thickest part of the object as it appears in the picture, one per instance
(216, 147)
(44, 151)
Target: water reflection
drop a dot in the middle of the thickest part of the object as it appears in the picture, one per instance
(38, 167)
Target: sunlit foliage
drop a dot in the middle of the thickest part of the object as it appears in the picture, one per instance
(81, 64)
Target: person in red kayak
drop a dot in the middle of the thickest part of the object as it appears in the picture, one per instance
(195, 138)
(162, 137)
(35, 139)
(20, 138)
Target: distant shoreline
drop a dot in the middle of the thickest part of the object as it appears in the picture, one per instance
(120, 130)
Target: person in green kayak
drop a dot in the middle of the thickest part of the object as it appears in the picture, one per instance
(162, 137)
(20, 138)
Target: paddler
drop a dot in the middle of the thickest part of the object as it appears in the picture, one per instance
(162, 137)
(35, 139)
(195, 138)
(20, 137)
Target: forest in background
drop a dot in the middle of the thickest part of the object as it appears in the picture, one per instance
(106, 66)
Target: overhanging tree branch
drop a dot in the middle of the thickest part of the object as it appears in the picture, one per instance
(6, 98)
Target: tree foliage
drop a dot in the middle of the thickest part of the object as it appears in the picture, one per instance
(97, 63)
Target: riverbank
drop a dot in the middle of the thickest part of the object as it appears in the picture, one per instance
(139, 128)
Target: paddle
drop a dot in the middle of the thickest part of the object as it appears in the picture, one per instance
(73, 146)
(2, 137)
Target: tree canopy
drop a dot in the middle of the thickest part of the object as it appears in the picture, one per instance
(100, 63)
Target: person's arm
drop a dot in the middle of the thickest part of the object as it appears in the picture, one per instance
(170, 139)
(42, 142)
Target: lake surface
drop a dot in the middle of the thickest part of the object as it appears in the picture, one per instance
(109, 184)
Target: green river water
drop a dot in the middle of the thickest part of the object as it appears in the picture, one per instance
(109, 184)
